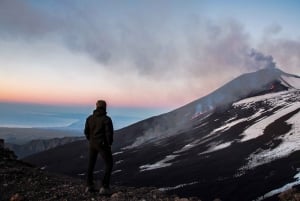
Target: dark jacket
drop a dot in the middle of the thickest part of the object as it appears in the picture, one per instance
(99, 128)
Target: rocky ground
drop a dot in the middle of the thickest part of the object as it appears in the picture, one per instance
(20, 181)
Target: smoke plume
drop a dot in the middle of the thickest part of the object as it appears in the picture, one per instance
(262, 61)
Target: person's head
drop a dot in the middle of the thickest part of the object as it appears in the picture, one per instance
(101, 104)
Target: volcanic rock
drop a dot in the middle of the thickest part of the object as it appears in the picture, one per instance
(20, 181)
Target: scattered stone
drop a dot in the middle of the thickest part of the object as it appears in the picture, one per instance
(117, 195)
(290, 195)
(17, 197)
(32, 184)
(183, 199)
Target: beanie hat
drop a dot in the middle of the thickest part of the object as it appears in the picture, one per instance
(101, 104)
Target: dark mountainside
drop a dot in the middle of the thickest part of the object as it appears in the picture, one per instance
(241, 142)
(20, 181)
(22, 136)
(39, 145)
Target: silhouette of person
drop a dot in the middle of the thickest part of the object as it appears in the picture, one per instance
(99, 132)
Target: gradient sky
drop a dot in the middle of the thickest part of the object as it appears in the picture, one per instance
(138, 53)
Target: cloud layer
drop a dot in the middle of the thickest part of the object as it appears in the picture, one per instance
(154, 42)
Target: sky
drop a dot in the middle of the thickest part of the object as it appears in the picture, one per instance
(138, 53)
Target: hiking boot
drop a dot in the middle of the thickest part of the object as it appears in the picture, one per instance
(104, 191)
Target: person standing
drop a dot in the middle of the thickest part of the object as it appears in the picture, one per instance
(99, 132)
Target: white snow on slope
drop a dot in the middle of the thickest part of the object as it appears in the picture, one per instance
(212, 135)
(117, 153)
(228, 126)
(116, 171)
(276, 98)
(160, 164)
(216, 147)
(293, 81)
(257, 129)
(281, 189)
(279, 99)
(178, 186)
(187, 147)
(119, 161)
(290, 143)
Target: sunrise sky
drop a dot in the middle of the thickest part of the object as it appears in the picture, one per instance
(138, 53)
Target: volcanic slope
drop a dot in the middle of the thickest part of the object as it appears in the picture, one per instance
(242, 141)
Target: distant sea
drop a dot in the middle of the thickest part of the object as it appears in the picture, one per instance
(17, 115)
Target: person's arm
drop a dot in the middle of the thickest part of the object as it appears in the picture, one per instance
(109, 131)
(87, 130)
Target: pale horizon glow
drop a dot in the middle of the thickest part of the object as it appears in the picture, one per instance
(149, 54)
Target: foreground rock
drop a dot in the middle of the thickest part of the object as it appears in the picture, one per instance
(20, 181)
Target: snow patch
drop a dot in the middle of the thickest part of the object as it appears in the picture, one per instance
(290, 143)
(275, 96)
(281, 189)
(117, 153)
(279, 99)
(118, 162)
(257, 129)
(160, 164)
(229, 125)
(216, 147)
(116, 171)
(210, 136)
(200, 125)
(231, 119)
(187, 147)
(178, 186)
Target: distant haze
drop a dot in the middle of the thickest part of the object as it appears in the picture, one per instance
(73, 118)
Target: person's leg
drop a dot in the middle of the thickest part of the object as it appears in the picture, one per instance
(93, 153)
(108, 160)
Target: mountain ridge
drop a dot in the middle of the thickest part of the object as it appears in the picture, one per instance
(39, 145)
(207, 151)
